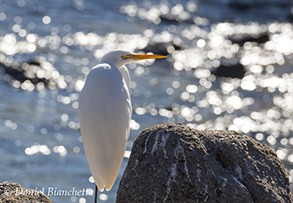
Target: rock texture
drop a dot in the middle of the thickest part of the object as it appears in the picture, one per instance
(13, 192)
(174, 163)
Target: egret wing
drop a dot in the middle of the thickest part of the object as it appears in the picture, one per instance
(105, 113)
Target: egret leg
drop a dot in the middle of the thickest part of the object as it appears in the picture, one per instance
(96, 194)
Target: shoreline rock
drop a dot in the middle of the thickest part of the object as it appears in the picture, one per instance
(163, 48)
(35, 74)
(260, 38)
(230, 71)
(174, 163)
(14, 192)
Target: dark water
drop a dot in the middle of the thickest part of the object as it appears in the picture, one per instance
(40, 143)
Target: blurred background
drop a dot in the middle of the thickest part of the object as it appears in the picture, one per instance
(229, 67)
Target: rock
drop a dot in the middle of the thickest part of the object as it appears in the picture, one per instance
(162, 48)
(259, 4)
(240, 6)
(34, 74)
(232, 71)
(176, 19)
(13, 192)
(290, 15)
(175, 163)
(241, 39)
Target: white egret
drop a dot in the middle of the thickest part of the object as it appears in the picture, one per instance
(105, 113)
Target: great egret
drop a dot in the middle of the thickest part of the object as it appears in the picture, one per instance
(105, 113)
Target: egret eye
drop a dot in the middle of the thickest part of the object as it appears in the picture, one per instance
(124, 57)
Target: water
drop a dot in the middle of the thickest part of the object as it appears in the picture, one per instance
(40, 142)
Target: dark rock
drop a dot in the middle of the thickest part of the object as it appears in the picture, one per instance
(175, 163)
(232, 71)
(240, 5)
(248, 5)
(13, 192)
(38, 72)
(241, 39)
(162, 48)
(290, 16)
(175, 19)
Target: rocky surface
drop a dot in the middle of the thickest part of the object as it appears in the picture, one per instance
(13, 192)
(174, 163)
(259, 38)
(35, 74)
(230, 70)
(162, 48)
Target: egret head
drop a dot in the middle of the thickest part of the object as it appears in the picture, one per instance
(119, 58)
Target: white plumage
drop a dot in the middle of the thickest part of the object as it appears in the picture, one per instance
(105, 113)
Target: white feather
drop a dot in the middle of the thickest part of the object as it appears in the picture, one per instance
(105, 113)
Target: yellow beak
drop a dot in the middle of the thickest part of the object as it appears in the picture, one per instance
(146, 56)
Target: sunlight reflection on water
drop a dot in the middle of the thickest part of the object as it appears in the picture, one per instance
(183, 88)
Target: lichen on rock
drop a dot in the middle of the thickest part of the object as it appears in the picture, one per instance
(175, 163)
